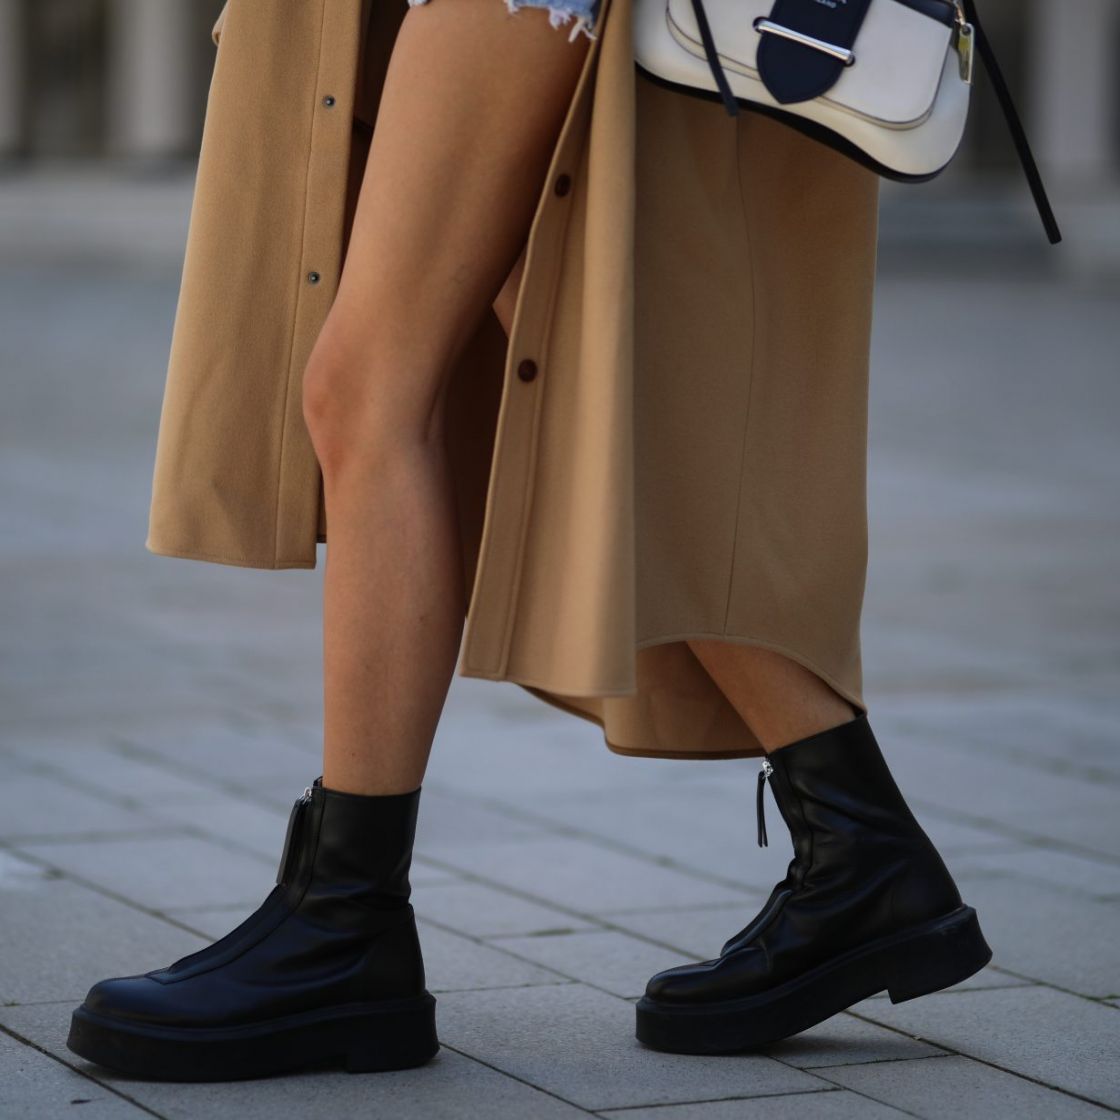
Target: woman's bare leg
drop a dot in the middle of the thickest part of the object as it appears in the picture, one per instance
(472, 104)
(780, 700)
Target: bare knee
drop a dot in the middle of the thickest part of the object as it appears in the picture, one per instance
(369, 407)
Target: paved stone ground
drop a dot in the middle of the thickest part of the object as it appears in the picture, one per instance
(158, 716)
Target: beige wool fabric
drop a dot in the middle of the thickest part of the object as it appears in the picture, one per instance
(674, 442)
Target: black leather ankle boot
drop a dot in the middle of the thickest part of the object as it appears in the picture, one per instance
(326, 971)
(867, 903)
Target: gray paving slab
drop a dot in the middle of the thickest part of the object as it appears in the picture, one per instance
(1024, 800)
(233, 756)
(1046, 933)
(958, 1086)
(160, 871)
(1053, 730)
(228, 818)
(1059, 1039)
(954, 838)
(708, 826)
(579, 1044)
(456, 963)
(822, 1105)
(844, 1038)
(60, 937)
(108, 768)
(33, 1086)
(36, 805)
(436, 1091)
(448, 817)
(484, 911)
(584, 876)
(607, 959)
(1085, 875)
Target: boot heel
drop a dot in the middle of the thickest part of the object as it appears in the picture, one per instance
(401, 1040)
(945, 955)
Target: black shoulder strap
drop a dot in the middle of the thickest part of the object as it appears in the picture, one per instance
(1014, 125)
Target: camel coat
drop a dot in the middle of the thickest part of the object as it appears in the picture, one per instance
(673, 442)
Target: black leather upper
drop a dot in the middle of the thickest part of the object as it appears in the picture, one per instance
(337, 928)
(862, 867)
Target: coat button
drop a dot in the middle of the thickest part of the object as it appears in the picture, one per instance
(563, 184)
(328, 100)
(527, 370)
(313, 278)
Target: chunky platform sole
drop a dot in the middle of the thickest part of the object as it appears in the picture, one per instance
(360, 1037)
(910, 963)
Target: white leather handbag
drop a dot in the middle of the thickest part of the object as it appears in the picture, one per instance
(886, 82)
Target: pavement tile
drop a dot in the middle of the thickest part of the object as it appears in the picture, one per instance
(580, 874)
(988, 977)
(436, 1091)
(843, 1038)
(1067, 871)
(605, 959)
(33, 1086)
(579, 1043)
(821, 1105)
(1048, 934)
(971, 1090)
(232, 756)
(1062, 1040)
(1028, 802)
(110, 769)
(1062, 732)
(229, 819)
(60, 937)
(450, 818)
(36, 805)
(954, 839)
(455, 963)
(164, 871)
(708, 826)
(483, 911)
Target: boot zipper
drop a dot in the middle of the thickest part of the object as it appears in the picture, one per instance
(293, 818)
(763, 774)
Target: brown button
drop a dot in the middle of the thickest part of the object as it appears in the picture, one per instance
(563, 184)
(527, 370)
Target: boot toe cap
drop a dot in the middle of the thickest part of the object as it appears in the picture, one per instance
(133, 998)
(684, 983)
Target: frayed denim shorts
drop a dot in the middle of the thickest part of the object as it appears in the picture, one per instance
(560, 13)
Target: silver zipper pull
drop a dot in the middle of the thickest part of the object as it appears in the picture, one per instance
(298, 809)
(763, 774)
(964, 40)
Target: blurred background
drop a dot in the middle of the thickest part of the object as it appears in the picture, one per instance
(159, 716)
(119, 87)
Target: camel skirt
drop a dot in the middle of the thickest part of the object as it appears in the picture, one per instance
(671, 444)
